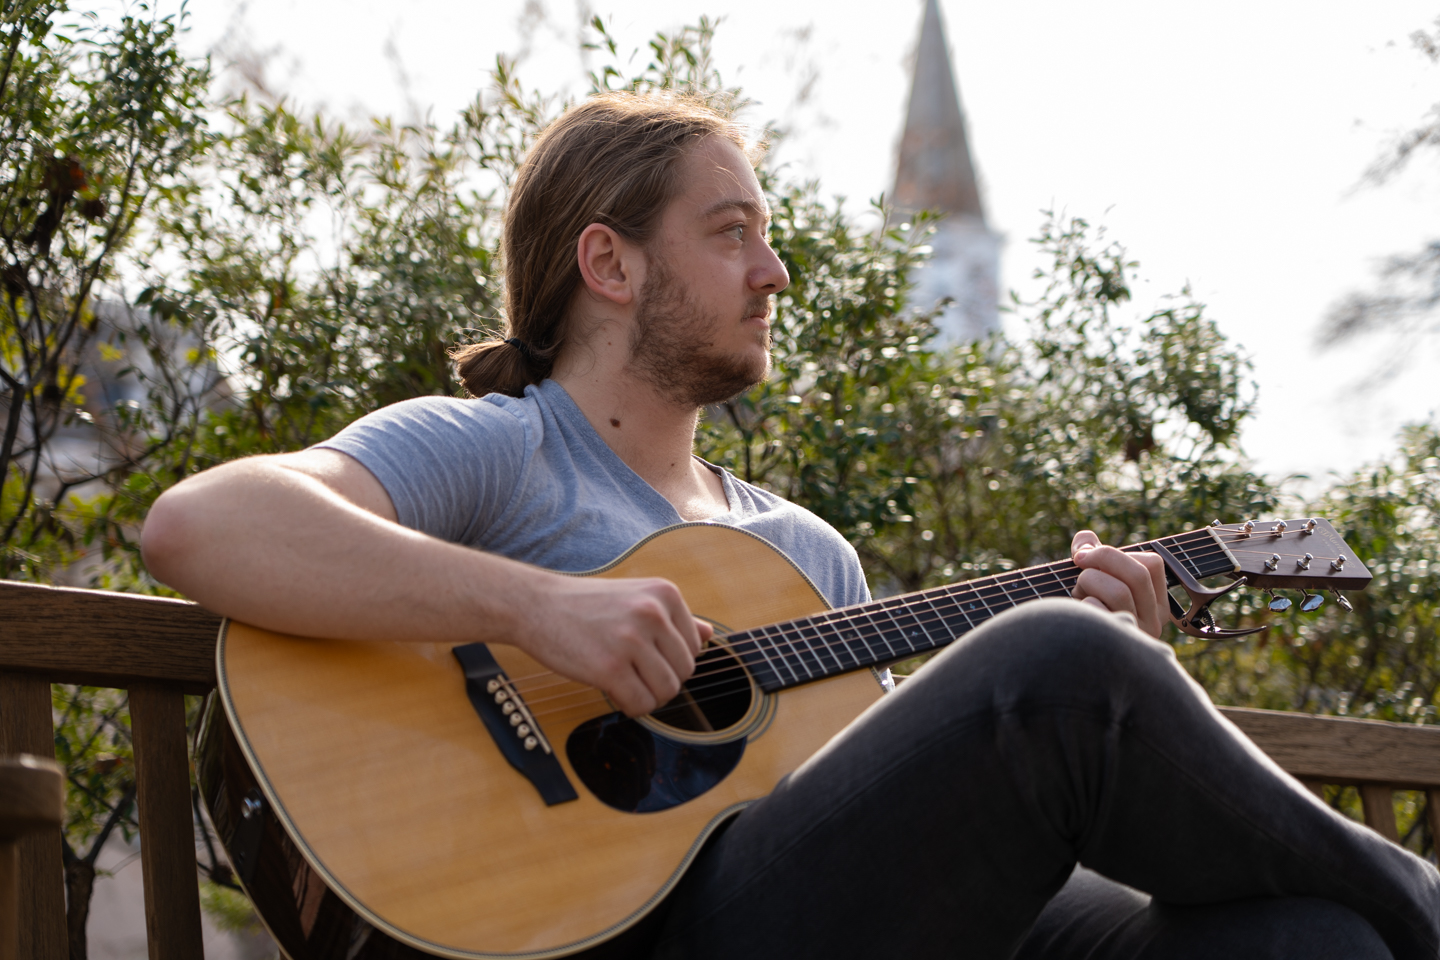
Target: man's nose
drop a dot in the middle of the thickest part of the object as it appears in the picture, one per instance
(769, 275)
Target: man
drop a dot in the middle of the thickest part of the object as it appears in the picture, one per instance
(947, 819)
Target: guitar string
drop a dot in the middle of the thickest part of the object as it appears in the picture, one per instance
(994, 587)
(984, 588)
(997, 582)
(735, 660)
(1203, 536)
(832, 622)
(734, 665)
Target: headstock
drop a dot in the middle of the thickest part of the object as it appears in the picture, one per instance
(1307, 554)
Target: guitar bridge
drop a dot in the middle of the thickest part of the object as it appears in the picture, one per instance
(511, 723)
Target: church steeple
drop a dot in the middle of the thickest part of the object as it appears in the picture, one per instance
(935, 171)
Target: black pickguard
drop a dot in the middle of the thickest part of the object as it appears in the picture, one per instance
(629, 767)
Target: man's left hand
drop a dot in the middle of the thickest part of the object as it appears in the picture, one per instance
(1132, 583)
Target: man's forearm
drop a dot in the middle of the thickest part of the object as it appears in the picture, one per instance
(273, 546)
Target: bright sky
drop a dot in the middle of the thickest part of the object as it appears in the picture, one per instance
(1222, 143)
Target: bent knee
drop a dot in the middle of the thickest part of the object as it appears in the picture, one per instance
(1059, 645)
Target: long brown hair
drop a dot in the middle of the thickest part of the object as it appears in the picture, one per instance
(611, 160)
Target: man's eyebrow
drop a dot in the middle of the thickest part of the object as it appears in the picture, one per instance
(749, 206)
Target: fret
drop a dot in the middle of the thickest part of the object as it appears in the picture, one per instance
(798, 648)
(820, 646)
(950, 632)
(759, 664)
(952, 594)
(784, 657)
(842, 644)
(906, 636)
(1065, 588)
(1030, 582)
(804, 654)
(976, 595)
(1009, 600)
(879, 632)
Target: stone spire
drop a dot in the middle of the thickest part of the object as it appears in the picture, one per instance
(934, 172)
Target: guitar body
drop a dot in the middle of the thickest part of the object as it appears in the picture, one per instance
(398, 804)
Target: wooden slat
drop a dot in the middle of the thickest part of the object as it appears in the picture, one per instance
(1378, 802)
(9, 900)
(32, 800)
(105, 639)
(1316, 787)
(167, 834)
(1342, 750)
(26, 727)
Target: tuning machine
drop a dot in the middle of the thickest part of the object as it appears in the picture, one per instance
(1278, 604)
(1342, 601)
(1312, 602)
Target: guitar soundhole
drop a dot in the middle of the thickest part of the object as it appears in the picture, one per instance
(717, 696)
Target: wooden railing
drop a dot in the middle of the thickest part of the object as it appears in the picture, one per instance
(159, 650)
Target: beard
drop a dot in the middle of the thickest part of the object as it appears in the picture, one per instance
(673, 347)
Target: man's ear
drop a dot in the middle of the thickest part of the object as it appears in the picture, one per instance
(608, 264)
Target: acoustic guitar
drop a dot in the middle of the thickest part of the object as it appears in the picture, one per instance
(389, 799)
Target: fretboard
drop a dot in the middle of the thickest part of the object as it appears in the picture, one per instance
(885, 631)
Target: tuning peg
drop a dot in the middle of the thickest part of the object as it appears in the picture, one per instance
(1309, 526)
(1342, 601)
(1304, 562)
(1278, 604)
(1278, 528)
(1215, 523)
(1248, 528)
(1312, 602)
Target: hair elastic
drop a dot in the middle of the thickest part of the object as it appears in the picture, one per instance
(522, 346)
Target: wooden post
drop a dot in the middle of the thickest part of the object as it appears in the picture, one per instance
(167, 832)
(1378, 801)
(32, 800)
(27, 726)
(1432, 813)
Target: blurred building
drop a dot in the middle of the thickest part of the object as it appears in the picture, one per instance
(935, 171)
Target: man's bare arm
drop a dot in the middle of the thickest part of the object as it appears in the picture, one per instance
(306, 543)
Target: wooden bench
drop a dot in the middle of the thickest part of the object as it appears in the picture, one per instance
(159, 650)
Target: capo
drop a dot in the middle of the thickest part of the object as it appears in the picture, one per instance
(1197, 621)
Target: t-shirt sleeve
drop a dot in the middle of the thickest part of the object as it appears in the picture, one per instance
(450, 466)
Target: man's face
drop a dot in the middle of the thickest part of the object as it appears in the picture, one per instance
(702, 330)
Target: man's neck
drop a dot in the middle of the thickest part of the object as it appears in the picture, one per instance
(654, 436)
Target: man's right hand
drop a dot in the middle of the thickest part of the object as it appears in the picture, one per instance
(633, 639)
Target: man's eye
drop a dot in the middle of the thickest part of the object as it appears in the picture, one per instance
(737, 231)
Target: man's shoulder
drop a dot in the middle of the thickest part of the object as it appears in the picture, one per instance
(490, 415)
(812, 543)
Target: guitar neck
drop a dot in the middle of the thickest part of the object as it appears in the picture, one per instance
(884, 631)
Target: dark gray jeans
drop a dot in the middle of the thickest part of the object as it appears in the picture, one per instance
(948, 821)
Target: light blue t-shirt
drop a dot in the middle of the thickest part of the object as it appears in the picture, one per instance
(530, 479)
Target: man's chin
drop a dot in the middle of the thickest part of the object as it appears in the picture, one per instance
(716, 383)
